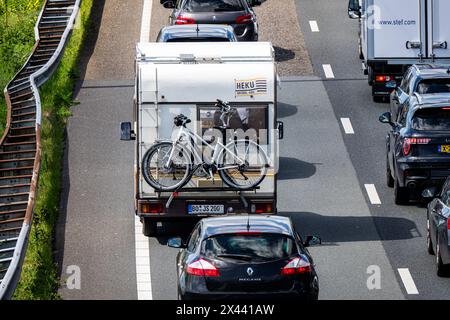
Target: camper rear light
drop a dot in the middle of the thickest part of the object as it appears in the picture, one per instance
(262, 208)
(184, 20)
(152, 208)
(383, 78)
(244, 19)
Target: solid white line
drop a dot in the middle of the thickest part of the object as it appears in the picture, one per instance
(328, 71)
(348, 128)
(372, 193)
(314, 26)
(408, 281)
(143, 274)
(146, 20)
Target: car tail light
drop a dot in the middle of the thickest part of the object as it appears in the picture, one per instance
(202, 267)
(383, 78)
(262, 208)
(408, 142)
(244, 19)
(152, 208)
(448, 223)
(184, 20)
(296, 266)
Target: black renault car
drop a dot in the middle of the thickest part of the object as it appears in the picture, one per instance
(236, 13)
(418, 145)
(423, 79)
(246, 257)
(438, 227)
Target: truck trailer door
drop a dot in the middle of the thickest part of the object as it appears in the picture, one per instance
(397, 28)
(439, 29)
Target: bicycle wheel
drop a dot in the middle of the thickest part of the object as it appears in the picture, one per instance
(244, 165)
(158, 175)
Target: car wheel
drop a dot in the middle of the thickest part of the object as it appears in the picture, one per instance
(429, 242)
(401, 194)
(442, 270)
(389, 178)
(149, 227)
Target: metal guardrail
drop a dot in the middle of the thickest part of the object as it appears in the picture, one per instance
(20, 148)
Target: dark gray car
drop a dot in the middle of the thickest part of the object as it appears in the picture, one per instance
(236, 13)
(438, 227)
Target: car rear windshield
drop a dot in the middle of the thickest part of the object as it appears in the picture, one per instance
(213, 5)
(197, 39)
(433, 86)
(248, 247)
(433, 119)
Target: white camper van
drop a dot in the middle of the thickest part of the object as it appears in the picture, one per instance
(187, 79)
(395, 34)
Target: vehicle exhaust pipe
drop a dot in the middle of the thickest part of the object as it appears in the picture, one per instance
(412, 185)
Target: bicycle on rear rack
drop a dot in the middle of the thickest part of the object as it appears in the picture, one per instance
(168, 166)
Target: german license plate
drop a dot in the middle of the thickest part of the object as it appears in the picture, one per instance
(444, 149)
(206, 209)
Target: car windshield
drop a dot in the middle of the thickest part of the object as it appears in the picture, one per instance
(433, 86)
(213, 5)
(432, 119)
(248, 247)
(199, 39)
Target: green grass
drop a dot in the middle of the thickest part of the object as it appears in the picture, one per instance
(39, 278)
(17, 20)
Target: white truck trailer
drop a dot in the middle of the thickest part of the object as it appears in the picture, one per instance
(395, 34)
(188, 78)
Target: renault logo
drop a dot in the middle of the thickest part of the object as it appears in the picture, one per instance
(249, 271)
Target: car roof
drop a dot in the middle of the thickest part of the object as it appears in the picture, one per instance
(432, 70)
(197, 30)
(232, 224)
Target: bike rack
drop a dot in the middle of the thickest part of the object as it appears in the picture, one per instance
(175, 193)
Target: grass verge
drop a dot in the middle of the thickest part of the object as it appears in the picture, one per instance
(39, 279)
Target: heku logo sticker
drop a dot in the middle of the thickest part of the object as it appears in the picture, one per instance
(251, 87)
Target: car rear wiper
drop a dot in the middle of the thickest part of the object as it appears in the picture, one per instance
(235, 256)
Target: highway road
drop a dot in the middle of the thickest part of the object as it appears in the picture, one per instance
(331, 179)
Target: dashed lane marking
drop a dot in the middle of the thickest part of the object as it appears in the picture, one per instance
(329, 74)
(347, 125)
(372, 193)
(408, 281)
(314, 26)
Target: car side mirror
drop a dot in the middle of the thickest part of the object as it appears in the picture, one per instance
(176, 243)
(430, 193)
(386, 118)
(354, 10)
(126, 133)
(168, 4)
(312, 241)
(280, 128)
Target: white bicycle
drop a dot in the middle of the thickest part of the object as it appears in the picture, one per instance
(168, 166)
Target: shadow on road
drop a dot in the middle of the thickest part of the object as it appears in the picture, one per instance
(282, 55)
(286, 110)
(334, 229)
(90, 42)
(292, 168)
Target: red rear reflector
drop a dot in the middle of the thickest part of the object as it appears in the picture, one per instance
(184, 20)
(152, 208)
(448, 223)
(202, 267)
(263, 208)
(296, 266)
(244, 19)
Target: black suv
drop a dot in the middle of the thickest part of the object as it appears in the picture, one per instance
(236, 13)
(423, 79)
(418, 145)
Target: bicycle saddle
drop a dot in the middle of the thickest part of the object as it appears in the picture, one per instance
(181, 120)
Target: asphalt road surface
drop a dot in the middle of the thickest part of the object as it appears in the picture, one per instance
(323, 170)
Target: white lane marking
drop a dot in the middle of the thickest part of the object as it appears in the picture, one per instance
(408, 281)
(143, 275)
(146, 20)
(348, 128)
(372, 193)
(328, 71)
(314, 26)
